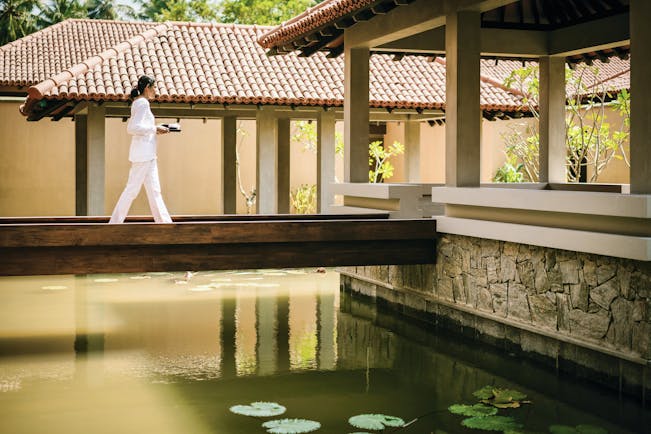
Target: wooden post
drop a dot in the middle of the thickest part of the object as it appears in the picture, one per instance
(284, 165)
(229, 164)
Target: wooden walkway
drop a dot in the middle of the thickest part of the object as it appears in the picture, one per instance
(82, 245)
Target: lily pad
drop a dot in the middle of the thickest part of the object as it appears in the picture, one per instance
(485, 392)
(476, 410)
(291, 426)
(375, 421)
(492, 423)
(259, 409)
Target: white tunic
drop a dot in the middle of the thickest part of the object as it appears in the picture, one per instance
(142, 126)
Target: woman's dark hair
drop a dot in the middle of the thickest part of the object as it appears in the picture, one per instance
(143, 82)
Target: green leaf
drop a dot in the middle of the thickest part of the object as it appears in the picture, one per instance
(375, 421)
(492, 423)
(485, 392)
(259, 409)
(472, 410)
(291, 426)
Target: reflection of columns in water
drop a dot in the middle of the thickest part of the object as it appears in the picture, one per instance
(245, 332)
(302, 330)
(282, 333)
(327, 331)
(266, 308)
(90, 330)
(228, 337)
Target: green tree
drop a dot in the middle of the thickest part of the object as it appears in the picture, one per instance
(379, 158)
(179, 10)
(16, 19)
(590, 140)
(56, 11)
(109, 10)
(262, 12)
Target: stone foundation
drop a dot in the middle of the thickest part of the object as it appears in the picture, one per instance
(584, 314)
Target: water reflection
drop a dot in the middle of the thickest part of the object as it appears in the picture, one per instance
(169, 353)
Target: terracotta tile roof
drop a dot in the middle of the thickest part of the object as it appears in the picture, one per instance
(322, 14)
(219, 63)
(41, 55)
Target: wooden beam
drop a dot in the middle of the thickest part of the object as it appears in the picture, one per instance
(28, 249)
(594, 35)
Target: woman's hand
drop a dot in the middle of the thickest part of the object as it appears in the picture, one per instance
(161, 129)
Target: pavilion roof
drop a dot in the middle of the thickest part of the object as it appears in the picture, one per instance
(213, 63)
(321, 27)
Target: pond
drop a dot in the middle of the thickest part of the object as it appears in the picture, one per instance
(173, 352)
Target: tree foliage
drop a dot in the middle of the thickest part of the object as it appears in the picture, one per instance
(379, 156)
(56, 11)
(178, 10)
(591, 140)
(262, 12)
(16, 19)
(109, 10)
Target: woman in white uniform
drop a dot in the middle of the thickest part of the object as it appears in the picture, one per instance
(142, 154)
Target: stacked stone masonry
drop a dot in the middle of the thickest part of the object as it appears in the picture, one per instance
(595, 302)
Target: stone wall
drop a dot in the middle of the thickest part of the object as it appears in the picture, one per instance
(570, 309)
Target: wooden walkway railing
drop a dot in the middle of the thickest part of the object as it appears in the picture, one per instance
(82, 245)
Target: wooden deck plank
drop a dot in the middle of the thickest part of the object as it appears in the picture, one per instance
(81, 248)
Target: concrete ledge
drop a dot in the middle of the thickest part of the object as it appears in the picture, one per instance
(622, 246)
(575, 202)
(400, 200)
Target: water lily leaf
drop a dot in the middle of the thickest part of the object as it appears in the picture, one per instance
(291, 426)
(472, 410)
(492, 423)
(504, 395)
(259, 409)
(375, 421)
(508, 404)
(485, 392)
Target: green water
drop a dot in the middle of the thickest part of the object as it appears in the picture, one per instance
(170, 353)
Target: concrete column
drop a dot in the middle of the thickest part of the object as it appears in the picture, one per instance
(412, 151)
(229, 164)
(552, 150)
(267, 161)
(325, 154)
(640, 14)
(356, 116)
(462, 112)
(284, 165)
(95, 142)
(81, 165)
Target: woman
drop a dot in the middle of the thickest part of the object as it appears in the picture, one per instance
(142, 155)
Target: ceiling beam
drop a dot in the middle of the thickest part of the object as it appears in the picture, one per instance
(593, 35)
(411, 19)
(494, 42)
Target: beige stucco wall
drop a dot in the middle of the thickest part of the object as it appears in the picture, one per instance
(37, 166)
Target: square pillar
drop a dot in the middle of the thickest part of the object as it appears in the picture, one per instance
(81, 165)
(325, 154)
(229, 164)
(462, 111)
(95, 144)
(412, 151)
(552, 149)
(356, 114)
(640, 139)
(267, 161)
(284, 165)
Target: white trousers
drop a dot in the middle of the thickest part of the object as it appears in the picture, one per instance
(147, 173)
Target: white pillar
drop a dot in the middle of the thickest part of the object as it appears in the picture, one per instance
(95, 141)
(412, 151)
(462, 111)
(229, 164)
(356, 115)
(640, 16)
(284, 165)
(552, 150)
(325, 154)
(267, 161)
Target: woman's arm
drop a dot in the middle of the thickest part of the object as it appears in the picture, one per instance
(140, 124)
